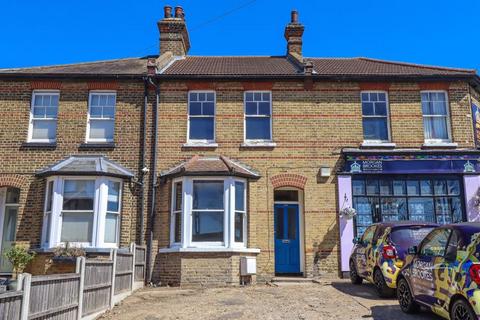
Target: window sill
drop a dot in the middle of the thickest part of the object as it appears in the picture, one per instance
(212, 249)
(200, 145)
(260, 144)
(96, 145)
(86, 249)
(367, 144)
(39, 145)
(450, 145)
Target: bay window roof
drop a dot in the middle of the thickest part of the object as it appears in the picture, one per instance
(86, 165)
(210, 166)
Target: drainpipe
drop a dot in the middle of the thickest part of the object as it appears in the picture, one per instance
(142, 163)
(154, 180)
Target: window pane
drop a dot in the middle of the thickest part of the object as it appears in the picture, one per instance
(201, 96)
(51, 112)
(77, 227)
(101, 129)
(358, 187)
(10, 224)
(375, 129)
(95, 100)
(382, 97)
(208, 109)
(239, 226)
(111, 100)
(44, 129)
(435, 244)
(421, 209)
(426, 187)
(367, 109)
(239, 196)
(178, 227)
(285, 195)
(372, 187)
(413, 188)
(111, 221)
(39, 112)
(264, 108)
(251, 108)
(266, 96)
(202, 128)
(398, 187)
(78, 194)
(210, 96)
(380, 109)
(440, 107)
(96, 112)
(394, 209)
(195, 108)
(257, 128)
(453, 187)
(113, 196)
(193, 96)
(385, 187)
(49, 196)
(208, 195)
(207, 226)
(292, 223)
(442, 209)
(279, 223)
(13, 195)
(257, 96)
(108, 112)
(177, 203)
(457, 213)
(440, 187)
(249, 96)
(38, 100)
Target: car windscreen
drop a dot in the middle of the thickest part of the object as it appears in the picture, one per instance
(409, 236)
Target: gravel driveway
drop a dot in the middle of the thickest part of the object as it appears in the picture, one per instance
(336, 299)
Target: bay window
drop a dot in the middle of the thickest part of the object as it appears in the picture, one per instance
(208, 212)
(84, 211)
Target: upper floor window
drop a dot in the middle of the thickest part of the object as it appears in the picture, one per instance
(435, 116)
(375, 116)
(101, 116)
(201, 116)
(84, 211)
(43, 117)
(258, 116)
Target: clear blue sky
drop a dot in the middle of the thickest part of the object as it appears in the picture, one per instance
(422, 31)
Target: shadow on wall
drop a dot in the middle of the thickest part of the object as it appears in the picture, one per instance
(323, 249)
(30, 222)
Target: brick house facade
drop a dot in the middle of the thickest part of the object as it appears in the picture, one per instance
(252, 156)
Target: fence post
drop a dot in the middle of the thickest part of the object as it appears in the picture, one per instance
(133, 249)
(80, 268)
(114, 267)
(20, 278)
(27, 281)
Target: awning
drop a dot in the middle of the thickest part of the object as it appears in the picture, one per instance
(210, 166)
(86, 166)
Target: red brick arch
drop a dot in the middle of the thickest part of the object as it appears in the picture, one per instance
(13, 180)
(288, 180)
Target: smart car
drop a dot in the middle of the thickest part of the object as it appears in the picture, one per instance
(379, 254)
(443, 273)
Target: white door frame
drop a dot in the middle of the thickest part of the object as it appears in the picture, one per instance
(301, 222)
(3, 195)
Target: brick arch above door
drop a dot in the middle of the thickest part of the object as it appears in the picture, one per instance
(13, 180)
(288, 180)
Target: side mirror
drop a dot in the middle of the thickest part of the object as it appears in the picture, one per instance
(412, 250)
(358, 240)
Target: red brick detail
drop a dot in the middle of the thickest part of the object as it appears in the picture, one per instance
(57, 85)
(384, 86)
(102, 85)
(257, 85)
(200, 85)
(13, 180)
(288, 180)
(434, 85)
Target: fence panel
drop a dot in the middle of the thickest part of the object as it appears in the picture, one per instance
(54, 296)
(10, 305)
(123, 272)
(140, 258)
(98, 285)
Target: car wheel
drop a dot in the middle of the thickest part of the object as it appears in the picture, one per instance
(405, 298)
(461, 310)
(383, 290)
(354, 277)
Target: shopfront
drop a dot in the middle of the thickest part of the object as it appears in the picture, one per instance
(394, 185)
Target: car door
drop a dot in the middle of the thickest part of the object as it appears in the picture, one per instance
(363, 246)
(427, 264)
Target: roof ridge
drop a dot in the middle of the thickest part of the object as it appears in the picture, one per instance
(241, 56)
(423, 66)
(72, 64)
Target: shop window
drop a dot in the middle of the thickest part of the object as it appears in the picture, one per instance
(396, 198)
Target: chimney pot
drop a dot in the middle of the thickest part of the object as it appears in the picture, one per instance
(168, 11)
(179, 12)
(294, 15)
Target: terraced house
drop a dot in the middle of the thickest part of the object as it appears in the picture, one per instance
(233, 169)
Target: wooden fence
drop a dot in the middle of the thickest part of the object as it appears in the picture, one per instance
(95, 287)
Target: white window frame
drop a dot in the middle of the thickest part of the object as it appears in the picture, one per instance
(228, 218)
(245, 116)
(32, 119)
(447, 116)
(99, 213)
(100, 93)
(241, 244)
(202, 141)
(387, 116)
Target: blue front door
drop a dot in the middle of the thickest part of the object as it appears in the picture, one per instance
(287, 238)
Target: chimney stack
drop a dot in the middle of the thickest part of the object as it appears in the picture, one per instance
(293, 35)
(173, 32)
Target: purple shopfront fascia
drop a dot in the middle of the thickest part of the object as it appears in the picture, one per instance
(466, 165)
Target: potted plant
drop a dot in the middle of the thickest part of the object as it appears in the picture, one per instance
(19, 257)
(67, 253)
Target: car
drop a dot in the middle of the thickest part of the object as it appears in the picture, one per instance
(379, 254)
(443, 273)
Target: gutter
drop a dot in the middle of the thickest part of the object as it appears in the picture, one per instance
(154, 180)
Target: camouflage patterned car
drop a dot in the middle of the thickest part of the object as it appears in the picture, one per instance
(380, 253)
(443, 273)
